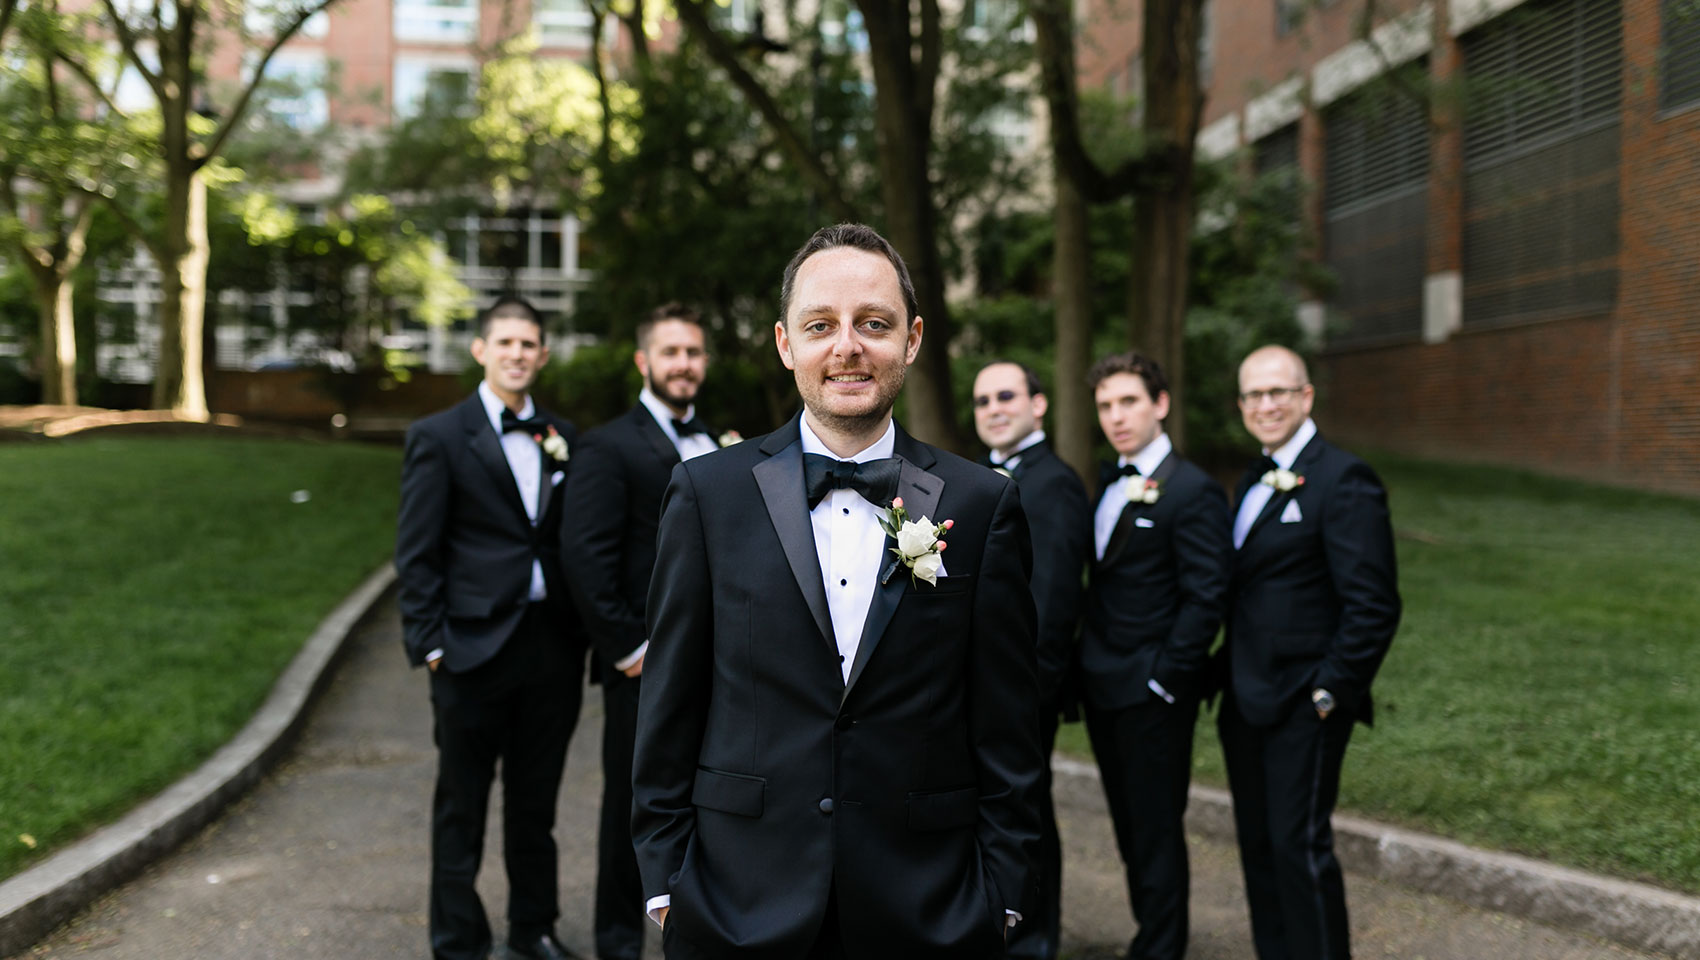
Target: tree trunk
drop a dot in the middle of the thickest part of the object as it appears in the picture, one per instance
(1072, 418)
(180, 383)
(1163, 220)
(58, 337)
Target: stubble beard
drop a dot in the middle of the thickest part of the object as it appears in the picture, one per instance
(855, 423)
(661, 393)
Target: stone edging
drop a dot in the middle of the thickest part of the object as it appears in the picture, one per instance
(1635, 915)
(39, 899)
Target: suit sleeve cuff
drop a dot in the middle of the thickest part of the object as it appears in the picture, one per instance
(626, 661)
(654, 904)
(1157, 688)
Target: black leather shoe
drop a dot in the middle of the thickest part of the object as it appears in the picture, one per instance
(545, 947)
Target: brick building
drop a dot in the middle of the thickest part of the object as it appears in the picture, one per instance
(1508, 193)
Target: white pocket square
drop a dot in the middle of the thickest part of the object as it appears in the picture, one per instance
(1144, 522)
(556, 478)
(1291, 514)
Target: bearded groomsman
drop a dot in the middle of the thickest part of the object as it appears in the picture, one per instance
(1313, 606)
(1009, 407)
(484, 606)
(837, 741)
(1161, 536)
(620, 472)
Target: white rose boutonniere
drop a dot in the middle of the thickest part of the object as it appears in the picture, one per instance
(1284, 481)
(919, 542)
(1148, 492)
(554, 445)
(730, 437)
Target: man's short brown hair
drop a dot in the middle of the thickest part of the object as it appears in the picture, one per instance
(858, 237)
(1132, 362)
(671, 310)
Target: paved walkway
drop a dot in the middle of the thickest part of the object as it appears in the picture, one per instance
(327, 858)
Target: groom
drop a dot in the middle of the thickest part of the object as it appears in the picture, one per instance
(836, 755)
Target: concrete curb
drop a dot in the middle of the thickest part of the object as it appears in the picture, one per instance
(1635, 915)
(39, 899)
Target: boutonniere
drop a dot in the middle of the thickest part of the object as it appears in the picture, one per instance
(919, 542)
(1284, 481)
(1149, 492)
(554, 445)
(730, 437)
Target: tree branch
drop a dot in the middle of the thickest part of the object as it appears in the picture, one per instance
(234, 117)
(82, 71)
(7, 8)
(695, 17)
(127, 41)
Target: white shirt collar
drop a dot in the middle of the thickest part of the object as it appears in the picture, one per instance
(662, 413)
(1150, 458)
(493, 406)
(878, 450)
(999, 459)
(1289, 451)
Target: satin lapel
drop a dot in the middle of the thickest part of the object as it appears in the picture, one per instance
(1130, 513)
(657, 438)
(920, 491)
(487, 450)
(780, 478)
(546, 492)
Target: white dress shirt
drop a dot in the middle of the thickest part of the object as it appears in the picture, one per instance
(1114, 501)
(694, 445)
(1009, 461)
(1257, 496)
(851, 546)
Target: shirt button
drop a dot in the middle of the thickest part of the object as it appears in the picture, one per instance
(826, 806)
(843, 583)
(847, 511)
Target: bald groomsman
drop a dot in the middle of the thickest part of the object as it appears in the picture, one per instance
(1313, 605)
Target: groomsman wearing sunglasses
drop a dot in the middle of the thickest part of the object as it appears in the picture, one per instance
(1009, 408)
(1313, 605)
(1161, 535)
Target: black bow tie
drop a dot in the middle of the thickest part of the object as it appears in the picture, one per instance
(511, 422)
(1127, 470)
(1265, 464)
(685, 428)
(875, 480)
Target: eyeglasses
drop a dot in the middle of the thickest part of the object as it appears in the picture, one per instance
(1002, 396)
(1280, 395)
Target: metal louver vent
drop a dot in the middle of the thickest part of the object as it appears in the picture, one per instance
(1679, 55)
(1377, 141)
(1278, 151)
(1542, 71)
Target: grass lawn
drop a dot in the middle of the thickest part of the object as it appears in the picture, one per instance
(1543, 694)
(151, 590)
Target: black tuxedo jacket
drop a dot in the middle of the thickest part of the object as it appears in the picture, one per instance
(1313, 602)
(1156, 598)
(464, 545)
(1061, 524)
(763, 781)
(619, 475)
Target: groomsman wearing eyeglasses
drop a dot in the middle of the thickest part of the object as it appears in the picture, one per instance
(1009, 409)
(1313, 605)
(1153, 609)
(620, 473)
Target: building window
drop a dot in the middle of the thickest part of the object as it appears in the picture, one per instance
(436, 21)
(433, 85)
(1679, 55)
(563, 23)
(1288, 15)
(1206, 43)
(1541, 158)
(295, 89)
(265, 19)
(1375, 208)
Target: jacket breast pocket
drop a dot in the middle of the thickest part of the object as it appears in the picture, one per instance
(735, 793)
(952, 586)
(943, 809)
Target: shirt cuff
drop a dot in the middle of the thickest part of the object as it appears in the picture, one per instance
(1157, 688)
(436, 654)
(654, 904)
(1011, 917)
(633, 657)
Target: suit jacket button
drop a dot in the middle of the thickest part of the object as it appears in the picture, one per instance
(844, 722)
(826, 806)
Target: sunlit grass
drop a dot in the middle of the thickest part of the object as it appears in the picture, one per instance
(1541, 696)
(151, 591)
